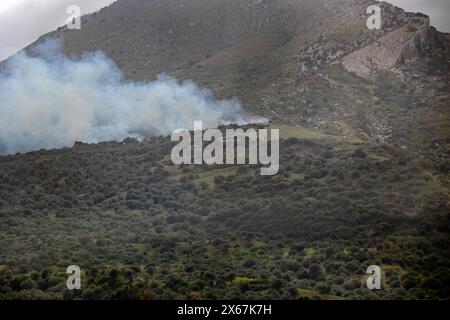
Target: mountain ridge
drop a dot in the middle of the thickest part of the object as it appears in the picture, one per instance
(364, 163)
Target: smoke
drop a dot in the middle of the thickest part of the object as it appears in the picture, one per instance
(51, 101)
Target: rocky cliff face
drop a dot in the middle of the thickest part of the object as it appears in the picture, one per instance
(391, 50)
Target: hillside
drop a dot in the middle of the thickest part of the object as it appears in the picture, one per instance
(364, 122)
(280, 58)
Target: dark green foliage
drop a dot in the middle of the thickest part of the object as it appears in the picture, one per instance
(149, 230)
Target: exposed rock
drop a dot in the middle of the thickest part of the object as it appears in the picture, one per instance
(391, 50)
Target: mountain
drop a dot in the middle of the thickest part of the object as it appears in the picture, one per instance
(364, 121)
(275, 55)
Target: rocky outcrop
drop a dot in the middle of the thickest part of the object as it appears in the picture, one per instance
(390, 50)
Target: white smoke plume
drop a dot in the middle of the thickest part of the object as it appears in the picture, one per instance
(50, 101)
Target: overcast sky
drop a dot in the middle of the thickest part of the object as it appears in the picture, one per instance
(438, 10)
(23, 21)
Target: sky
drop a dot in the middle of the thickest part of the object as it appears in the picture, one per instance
(23, 21)
(438, 10)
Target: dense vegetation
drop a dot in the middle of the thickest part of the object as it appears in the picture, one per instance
(364, 180)
(140, 227)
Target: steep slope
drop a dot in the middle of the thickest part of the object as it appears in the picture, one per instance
(364, 170)
(280, 57)
(391, 50)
